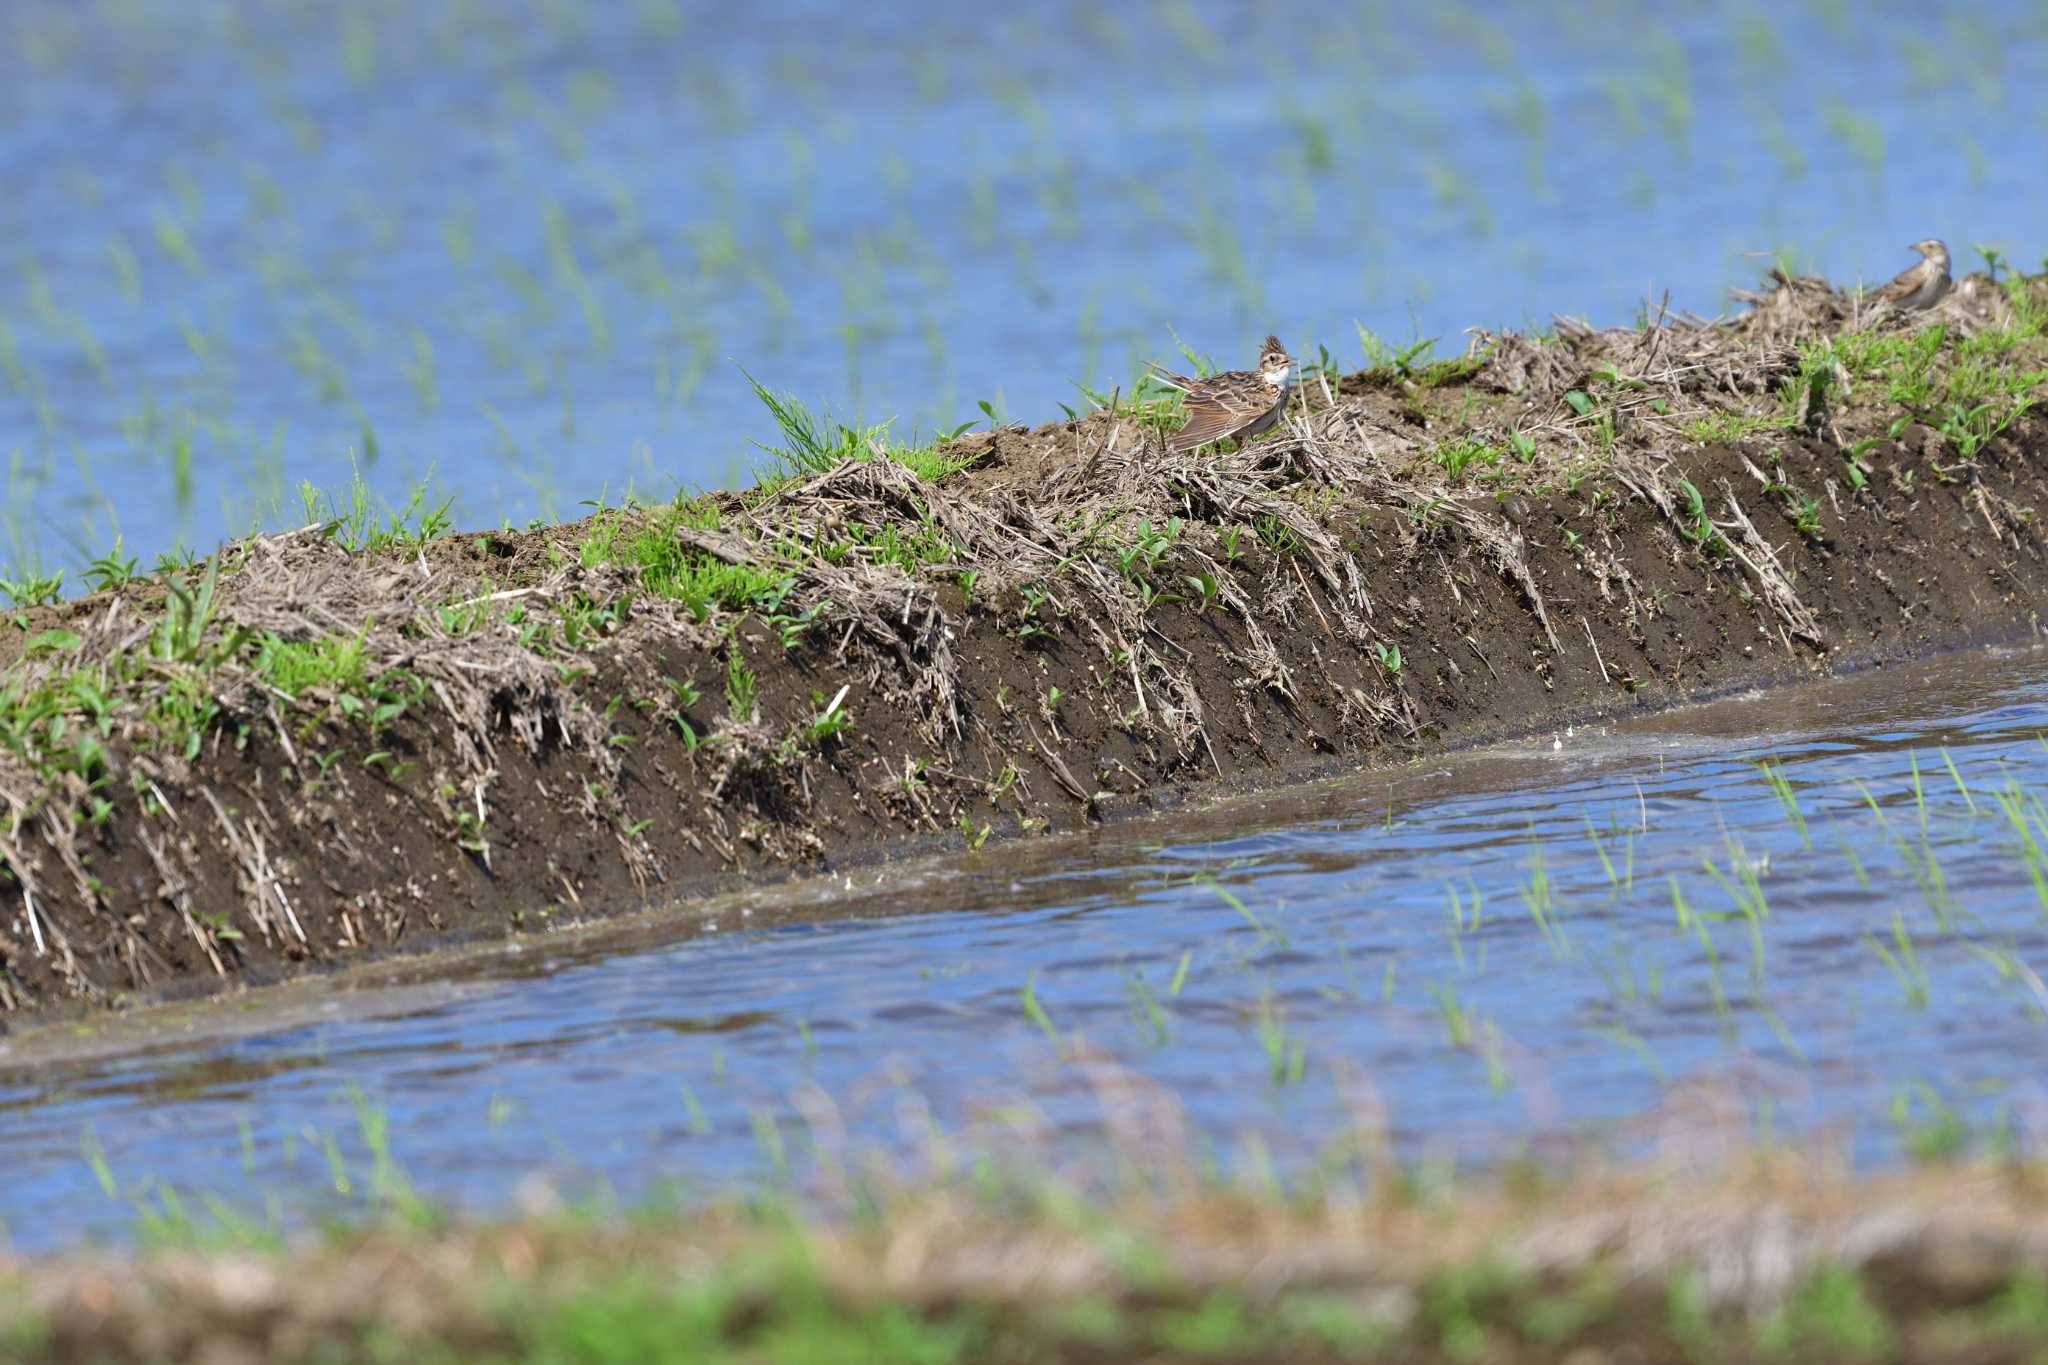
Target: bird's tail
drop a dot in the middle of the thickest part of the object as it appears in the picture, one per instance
(1178, 381)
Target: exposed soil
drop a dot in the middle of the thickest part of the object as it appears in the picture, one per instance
(542, 727)
(1773, 1263)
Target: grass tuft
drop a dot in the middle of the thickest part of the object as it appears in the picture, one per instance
(816, 443)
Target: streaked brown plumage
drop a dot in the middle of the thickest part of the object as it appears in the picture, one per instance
(1920, 287)
(1234, 403)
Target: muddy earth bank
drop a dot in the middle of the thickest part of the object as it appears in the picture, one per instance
(362, 736)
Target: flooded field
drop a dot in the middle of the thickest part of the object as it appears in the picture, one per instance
(1814, 916)
(502, 265)
(525, 249)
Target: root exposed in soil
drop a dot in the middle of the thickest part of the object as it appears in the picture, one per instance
(346, 739)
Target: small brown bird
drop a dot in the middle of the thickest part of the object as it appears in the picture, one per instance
(1234, 403)
(1921, 287)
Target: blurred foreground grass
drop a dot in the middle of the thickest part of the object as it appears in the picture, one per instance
(1774, 1259)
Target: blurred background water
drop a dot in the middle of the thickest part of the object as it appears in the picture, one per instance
(523, 248)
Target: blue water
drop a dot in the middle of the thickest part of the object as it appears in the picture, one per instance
(1358, 960)
(524, 248)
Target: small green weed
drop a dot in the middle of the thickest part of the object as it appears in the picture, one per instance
(742, 688)
(33, 589)
(293, 667)
(1694, 523)
(110, 570)
(814, 444)
(1731, 428)
(362, 522)
(1459, 456)
(831, 720)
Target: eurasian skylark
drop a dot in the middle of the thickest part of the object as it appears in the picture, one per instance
(1922, 286)
(1234, 403)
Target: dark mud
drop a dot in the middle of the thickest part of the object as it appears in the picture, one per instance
(305, 753)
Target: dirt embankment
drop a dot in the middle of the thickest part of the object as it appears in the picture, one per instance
(1772, 1264)
(338, 741)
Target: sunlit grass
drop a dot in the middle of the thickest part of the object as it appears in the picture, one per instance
(813, 443)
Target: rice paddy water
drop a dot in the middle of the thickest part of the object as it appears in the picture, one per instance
(1816, 917)
(522, 249)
